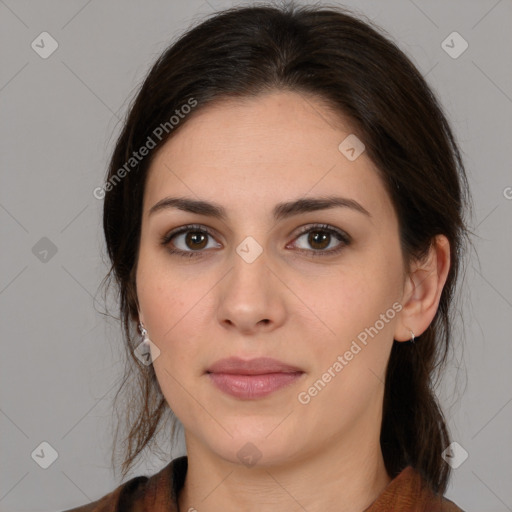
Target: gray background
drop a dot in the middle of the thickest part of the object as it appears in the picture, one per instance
(59, 119)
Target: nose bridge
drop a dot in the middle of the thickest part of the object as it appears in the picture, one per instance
(249, 250)
(248, 296)
(250, 262)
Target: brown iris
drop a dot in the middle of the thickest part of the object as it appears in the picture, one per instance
(317, 238)
(194, 237)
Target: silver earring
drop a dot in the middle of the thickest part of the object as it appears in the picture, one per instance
(143, 351)
(412, 336)
(144, 333)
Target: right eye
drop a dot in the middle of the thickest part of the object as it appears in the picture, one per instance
(189, 241)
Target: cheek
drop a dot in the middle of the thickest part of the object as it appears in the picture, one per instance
(357, 305)
(349, 365)
(172, 309)
(163, 293)
(174, 305)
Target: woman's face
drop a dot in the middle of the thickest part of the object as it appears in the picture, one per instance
(260, 285)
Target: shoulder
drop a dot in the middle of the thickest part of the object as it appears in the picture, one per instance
(449, 506)
(127, 497)
(436, 503)
(142, 492)
(409, 492)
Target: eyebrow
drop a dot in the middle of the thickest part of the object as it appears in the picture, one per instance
(281, 210)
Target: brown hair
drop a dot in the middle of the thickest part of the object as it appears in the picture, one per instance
(362, 75)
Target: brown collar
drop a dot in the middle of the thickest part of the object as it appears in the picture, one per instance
(162, 489)
(407, 492)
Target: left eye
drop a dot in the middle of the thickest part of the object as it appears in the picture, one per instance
(321, 240)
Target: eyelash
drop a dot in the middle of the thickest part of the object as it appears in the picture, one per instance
(343, 237)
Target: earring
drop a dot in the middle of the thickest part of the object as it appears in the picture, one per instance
(143, 350)
(412, 336)
(144, 333)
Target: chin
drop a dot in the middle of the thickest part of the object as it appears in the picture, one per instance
(252, 449)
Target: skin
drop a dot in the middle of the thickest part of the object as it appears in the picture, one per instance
(248, 156)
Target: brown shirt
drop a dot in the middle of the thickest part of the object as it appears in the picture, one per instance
(407, 492)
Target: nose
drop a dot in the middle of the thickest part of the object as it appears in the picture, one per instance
(251, 297)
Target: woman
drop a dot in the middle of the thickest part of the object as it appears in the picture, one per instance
(284, 214)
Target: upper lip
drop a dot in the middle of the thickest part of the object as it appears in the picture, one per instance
(258, 366)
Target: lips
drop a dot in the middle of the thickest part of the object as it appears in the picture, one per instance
(252, 379)
(258, 366)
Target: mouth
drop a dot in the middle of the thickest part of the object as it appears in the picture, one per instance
(252, 379)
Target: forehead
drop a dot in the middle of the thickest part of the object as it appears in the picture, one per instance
(256, 128)
(260, 151)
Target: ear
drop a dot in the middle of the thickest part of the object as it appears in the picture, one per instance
(422, 290)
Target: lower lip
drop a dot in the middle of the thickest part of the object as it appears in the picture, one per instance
(249, 387)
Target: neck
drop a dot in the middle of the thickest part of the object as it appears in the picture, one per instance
(347, 476)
